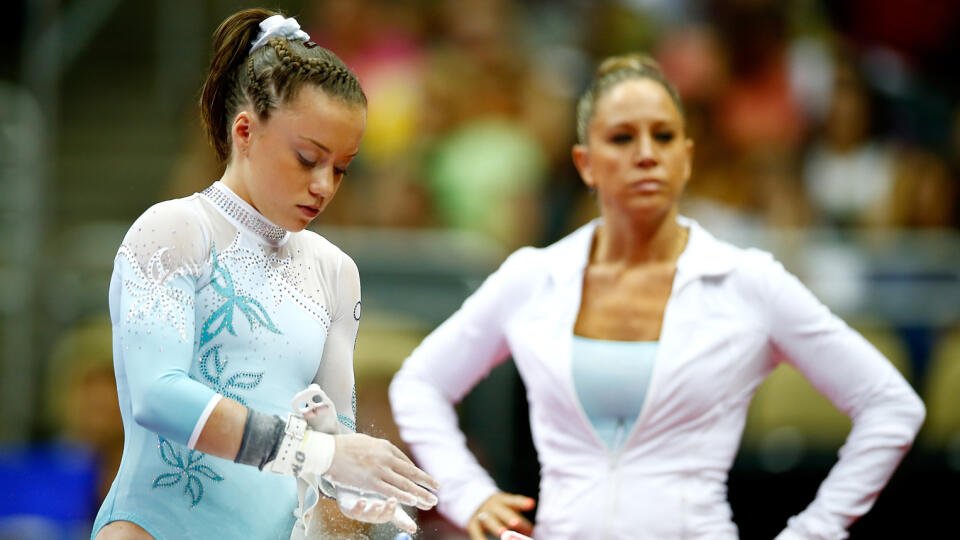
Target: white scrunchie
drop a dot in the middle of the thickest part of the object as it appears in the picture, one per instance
(278, 26)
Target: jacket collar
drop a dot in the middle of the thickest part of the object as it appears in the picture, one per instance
(703, 256)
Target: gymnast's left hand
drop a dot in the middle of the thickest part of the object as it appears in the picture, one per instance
(377, 511)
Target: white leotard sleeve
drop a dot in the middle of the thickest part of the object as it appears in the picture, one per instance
(335, 374)
(152, 294)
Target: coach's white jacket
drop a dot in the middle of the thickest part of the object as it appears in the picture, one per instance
(727, 309)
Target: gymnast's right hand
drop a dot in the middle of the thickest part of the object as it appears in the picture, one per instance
(352, 460)
(369, 464)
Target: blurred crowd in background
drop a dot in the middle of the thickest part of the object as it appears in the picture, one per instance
(827, 132)
(805, 113)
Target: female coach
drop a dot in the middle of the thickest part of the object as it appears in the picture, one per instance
(640, 339)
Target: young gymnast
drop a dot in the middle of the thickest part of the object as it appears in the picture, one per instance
(224, 309)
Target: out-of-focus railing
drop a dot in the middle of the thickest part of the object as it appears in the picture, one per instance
(901, 277)
(419, 275)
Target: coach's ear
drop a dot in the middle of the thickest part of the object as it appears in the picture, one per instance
(581, 160)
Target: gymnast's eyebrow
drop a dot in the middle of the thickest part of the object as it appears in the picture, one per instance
(323, 146)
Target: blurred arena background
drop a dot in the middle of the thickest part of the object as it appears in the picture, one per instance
(827, 132)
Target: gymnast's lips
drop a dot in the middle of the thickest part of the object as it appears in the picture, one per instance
(309, 211)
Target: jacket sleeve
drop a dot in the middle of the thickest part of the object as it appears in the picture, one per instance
(439, 373)
(860, 382)
(152, 296)
(335, 374)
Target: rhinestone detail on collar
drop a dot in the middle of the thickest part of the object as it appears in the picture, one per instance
(236, 208)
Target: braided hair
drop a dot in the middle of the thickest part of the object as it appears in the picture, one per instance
(267, 77)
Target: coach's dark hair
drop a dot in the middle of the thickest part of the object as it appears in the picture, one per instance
(271, 75)
(613, 71)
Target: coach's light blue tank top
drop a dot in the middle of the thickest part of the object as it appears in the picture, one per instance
(611, 379)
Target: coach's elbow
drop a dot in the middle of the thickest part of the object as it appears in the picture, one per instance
(398, 388)
(905, 414)
(915, 412)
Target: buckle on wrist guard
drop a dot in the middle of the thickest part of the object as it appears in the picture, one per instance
(296, 426)
(290, 457)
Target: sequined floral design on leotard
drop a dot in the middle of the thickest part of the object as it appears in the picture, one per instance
(256, 315)
(284, 278)
(212, 368)
(153, 293)
(189, 463)
(189, 468)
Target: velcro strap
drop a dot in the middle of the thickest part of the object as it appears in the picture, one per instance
(290, 454)
(302, 450)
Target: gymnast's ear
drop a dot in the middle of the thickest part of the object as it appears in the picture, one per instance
(242, 130)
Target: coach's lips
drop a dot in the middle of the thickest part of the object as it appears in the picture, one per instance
(647, 185)
(309, 212)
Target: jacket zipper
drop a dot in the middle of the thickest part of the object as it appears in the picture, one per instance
(613, 494)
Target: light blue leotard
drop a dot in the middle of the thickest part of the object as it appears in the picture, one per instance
(611, 379)
(209, 300)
